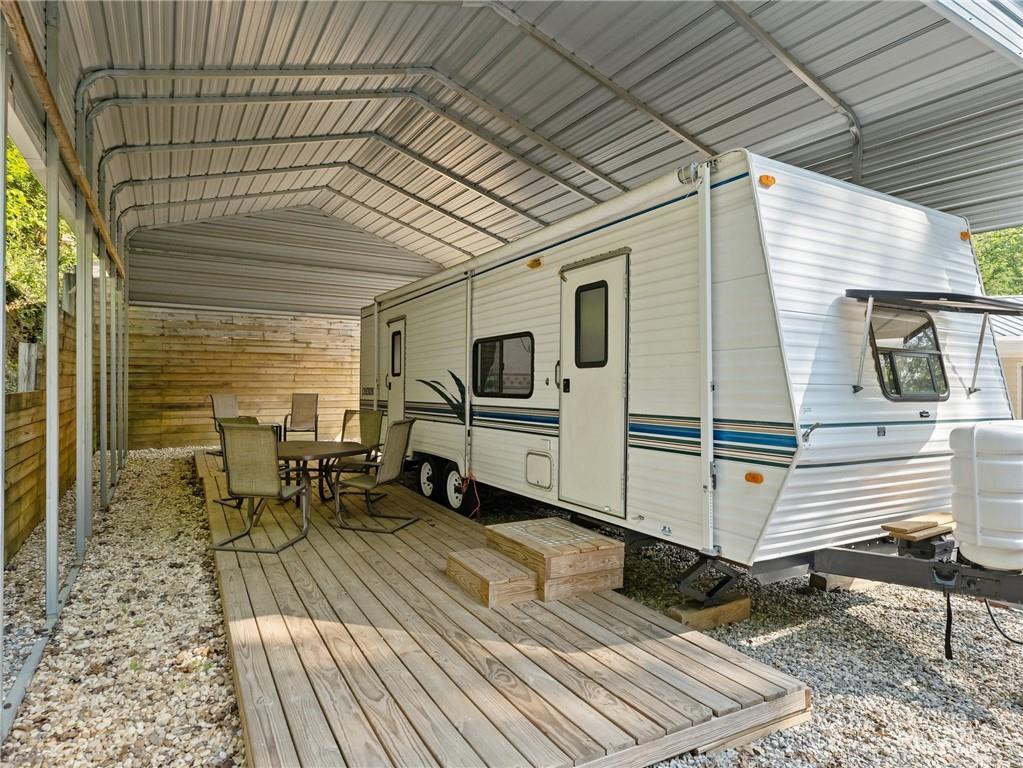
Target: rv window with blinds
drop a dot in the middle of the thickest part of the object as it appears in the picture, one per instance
(907, 355)
(502, 366)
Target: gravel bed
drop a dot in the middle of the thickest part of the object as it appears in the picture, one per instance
(25, 588)
(138, 672)
(883, 693)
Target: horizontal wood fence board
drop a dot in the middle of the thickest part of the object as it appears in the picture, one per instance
(356, 649)
(178, 358)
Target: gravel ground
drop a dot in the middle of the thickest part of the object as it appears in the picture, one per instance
(884, 695)
(138, 671)
(25, 588)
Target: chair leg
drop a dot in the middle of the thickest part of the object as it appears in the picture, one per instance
(305, 504)
(252, 513)
(404, 522)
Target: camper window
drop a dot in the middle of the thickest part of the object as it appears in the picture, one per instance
(591, 325)
(502, 366)
(907, 355)
(396, 353)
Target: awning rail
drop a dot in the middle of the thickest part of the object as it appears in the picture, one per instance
(938, 301)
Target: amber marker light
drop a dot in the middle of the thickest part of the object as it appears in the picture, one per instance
(534, 263)
(964, 235)
(767, 181)
(754, 477)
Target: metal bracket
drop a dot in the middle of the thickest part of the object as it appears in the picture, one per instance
(976, 362)
(704, 569)
(858, 386)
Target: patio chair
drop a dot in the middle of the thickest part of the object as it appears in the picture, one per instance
(367, 423)
(387, 470)
(304, 416)
(253, 474)
(235, 503)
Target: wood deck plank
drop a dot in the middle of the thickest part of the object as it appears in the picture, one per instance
(567, 720)
(268, 740)
(677, 656)
(356, 647)
(500, 629)
(458, 733)
(485, 690)
(765, 689)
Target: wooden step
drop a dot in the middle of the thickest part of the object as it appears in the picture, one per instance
(490, 577)
(567, 559)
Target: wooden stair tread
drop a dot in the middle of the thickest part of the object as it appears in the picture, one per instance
(567, 559)
(492, 566)
(490, 578)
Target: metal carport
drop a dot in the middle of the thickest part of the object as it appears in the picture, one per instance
(441, 130)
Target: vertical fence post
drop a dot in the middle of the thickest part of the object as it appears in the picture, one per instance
(3, 339)
(83, 442)
(52, 323)
(124, 368)
(113, 381)
(101, 332)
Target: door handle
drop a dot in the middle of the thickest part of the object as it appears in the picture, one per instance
(387, 380)
(557, 374)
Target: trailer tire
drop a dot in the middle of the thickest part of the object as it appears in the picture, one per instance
(430, 477)
(462, 501)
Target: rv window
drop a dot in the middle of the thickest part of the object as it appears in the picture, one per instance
(503, 366)
(907, 355)
(591, 325)
(396, 353)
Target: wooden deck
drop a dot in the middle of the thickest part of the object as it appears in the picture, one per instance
(356, 649)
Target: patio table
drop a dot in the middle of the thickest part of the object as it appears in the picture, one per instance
(302, 452)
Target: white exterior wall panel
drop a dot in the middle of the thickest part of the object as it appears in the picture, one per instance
(870, 459)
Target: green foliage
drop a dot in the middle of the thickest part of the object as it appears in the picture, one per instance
(26, 247)
(1000, 255)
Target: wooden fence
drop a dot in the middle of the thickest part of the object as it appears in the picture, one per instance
(178, 358)
(26, 444)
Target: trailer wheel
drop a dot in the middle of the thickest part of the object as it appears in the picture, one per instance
(430, 478)
(463, 501)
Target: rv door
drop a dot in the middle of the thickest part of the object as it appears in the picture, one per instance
(593, 383)
(394, 377)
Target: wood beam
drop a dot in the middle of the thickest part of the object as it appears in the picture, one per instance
(22, 43)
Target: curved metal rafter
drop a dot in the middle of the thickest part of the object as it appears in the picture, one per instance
(92, 77)
(810, 80)
(475, 130)
(472, 186)
(511, 17)
(281, 193)
(337, 166)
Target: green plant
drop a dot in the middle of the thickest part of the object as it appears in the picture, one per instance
(1000, 256)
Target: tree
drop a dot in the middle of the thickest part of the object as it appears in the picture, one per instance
(1000, 255)
(26, 248)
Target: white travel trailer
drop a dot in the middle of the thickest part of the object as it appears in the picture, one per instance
(574, 366)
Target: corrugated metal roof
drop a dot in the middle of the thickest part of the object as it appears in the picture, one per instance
(1008, 326)
(293, 259)
(461, 124)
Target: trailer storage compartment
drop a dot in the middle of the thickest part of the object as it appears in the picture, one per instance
(987, 497)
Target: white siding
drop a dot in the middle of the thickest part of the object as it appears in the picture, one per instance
(824, 237)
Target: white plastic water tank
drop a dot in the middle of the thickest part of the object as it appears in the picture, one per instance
(987, 493)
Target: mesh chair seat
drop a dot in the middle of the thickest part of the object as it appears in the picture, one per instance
(363, 482)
